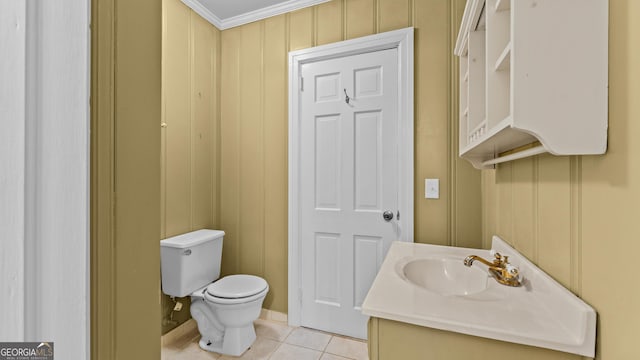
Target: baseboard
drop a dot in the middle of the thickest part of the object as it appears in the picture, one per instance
(187, 329)
(267, 314)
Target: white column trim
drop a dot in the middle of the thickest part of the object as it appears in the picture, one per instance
(44, 185)
(13, 16)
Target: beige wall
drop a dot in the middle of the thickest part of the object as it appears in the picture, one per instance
(577, 217)
(253, 140)
(190, 58)
(125, 179)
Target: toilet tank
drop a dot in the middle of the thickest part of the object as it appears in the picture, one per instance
(190, 261)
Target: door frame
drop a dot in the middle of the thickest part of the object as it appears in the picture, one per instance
(399, 39)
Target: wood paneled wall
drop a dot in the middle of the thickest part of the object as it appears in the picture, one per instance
(534, 205)
(577, 217)
(125, 180)
(190, 120)
(190, 123)
(254, 125)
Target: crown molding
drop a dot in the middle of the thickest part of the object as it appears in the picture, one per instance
(252, 16)
(201, 10)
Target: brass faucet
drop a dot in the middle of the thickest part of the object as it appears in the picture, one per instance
(500, 269)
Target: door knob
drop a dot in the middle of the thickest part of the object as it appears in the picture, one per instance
(387, 215)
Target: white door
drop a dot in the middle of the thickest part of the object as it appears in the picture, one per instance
(348, 179)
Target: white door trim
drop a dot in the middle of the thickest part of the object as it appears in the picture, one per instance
(44, 184)
(403, 41)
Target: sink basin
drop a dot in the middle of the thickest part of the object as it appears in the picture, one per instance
(445, 276)
(428, 285)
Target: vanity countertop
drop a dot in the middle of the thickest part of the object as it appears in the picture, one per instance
(540, 313)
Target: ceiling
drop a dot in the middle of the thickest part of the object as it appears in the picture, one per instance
(225, 14)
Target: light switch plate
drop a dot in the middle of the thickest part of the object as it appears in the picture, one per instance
(432, 188)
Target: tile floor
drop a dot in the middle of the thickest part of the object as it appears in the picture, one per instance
(275, 341)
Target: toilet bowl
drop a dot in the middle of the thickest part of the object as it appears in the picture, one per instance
(225, 311)
(225, 308)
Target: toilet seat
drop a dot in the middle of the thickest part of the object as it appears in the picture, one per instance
(236, 289)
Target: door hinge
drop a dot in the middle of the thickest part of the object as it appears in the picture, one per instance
(398, 217)
(301, 83)
(300, 297)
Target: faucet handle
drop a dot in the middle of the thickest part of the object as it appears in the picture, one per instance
(498, 259)
(514, 273)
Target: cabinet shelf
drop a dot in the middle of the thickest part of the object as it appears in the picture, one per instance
(504, 60)
(502, 5)
(503, 135)
(533, 87)
(478, 132)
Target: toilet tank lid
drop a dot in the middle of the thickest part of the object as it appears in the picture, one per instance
(191, 238)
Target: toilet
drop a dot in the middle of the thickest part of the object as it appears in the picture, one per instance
(224, 309)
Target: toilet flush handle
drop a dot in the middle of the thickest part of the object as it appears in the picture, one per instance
(187, 252)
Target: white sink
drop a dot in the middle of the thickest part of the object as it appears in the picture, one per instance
(428, 285)
(445, 276)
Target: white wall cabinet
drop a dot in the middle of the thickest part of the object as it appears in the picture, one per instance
(533, 71)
